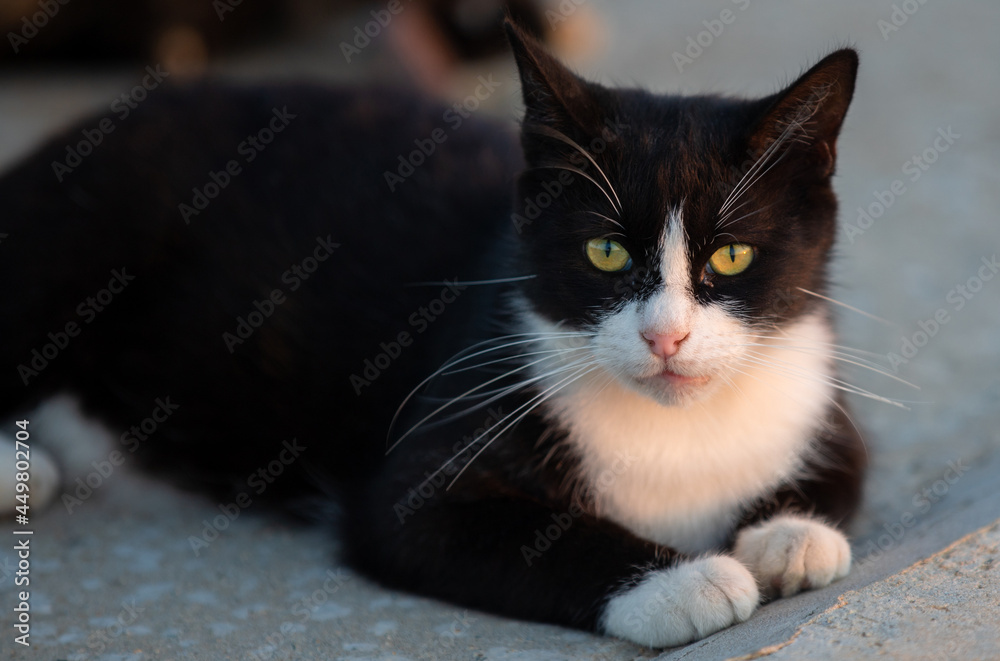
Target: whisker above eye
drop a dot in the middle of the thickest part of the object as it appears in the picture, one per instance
(599, 215)
(582, 174)
(562, 137)
(747, 215)
(743, 184)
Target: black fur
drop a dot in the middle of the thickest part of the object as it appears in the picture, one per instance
(296, 376)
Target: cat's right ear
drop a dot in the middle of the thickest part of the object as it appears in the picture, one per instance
(553, 95)
(808, 114)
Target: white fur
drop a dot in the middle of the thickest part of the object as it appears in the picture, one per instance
(792, 553)
(702, 451)
(687, 602)
(57, 430)
(69, 434)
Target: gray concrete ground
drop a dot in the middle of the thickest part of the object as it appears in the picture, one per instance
(117, 578)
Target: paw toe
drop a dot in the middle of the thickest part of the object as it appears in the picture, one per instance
(789, 554)
(685, 603)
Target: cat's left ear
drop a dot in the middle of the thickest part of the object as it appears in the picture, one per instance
(553, 95)
(808, 114)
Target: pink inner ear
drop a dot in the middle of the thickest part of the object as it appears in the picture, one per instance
(828, 154)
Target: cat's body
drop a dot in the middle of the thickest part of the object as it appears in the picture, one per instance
(653, 412)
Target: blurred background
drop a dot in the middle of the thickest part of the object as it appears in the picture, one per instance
(919, 184)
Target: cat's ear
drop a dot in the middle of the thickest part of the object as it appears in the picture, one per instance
(553, 95)
(807, 115)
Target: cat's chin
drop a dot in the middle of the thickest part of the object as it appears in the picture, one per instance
(672, 389)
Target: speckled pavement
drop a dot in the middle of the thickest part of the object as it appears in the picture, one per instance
(117, 578)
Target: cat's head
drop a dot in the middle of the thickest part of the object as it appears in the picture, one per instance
(674, 232)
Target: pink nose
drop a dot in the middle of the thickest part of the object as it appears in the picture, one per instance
(664, 345)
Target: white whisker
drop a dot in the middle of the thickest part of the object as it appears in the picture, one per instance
(830, 381)
(455, 360)
(460, 397)
(468, 283)
(724, 225)
(610, 220)
(582, 174)
(850, 307)
(838, 356)
(828, 397)
(742, 186)
(498, 393)
(562, 137)
(543, 397)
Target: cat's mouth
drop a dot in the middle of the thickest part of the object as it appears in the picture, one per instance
(673, 377)
(677, 380)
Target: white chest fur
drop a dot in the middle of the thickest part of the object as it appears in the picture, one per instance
(679, 476)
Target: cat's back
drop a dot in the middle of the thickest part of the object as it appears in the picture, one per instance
(265, 238)
(215, 159)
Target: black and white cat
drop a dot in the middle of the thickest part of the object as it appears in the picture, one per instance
(633, 348)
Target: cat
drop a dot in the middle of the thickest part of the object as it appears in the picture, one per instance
(582, 375)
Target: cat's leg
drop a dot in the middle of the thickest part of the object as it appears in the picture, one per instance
(796, 540)
(519, 557)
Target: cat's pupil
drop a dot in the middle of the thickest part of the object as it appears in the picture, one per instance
(607, 248)
(732, 252)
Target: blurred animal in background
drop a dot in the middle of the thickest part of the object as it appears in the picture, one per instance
(430, 38)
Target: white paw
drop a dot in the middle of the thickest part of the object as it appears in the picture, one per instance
(792, 553)
(43, 481)
(690, 601)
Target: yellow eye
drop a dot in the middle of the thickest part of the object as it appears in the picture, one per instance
(608, 255)
(731, 260)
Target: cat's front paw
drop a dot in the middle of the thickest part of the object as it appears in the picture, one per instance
(791, 553)
(685, 603)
